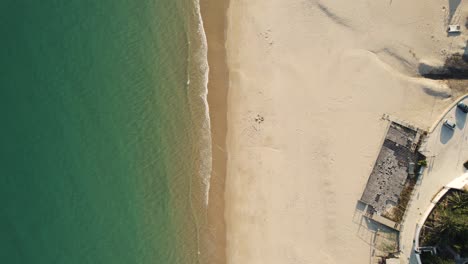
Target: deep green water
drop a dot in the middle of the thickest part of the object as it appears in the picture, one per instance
(97, 133)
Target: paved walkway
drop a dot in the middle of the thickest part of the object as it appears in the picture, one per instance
(446, 151)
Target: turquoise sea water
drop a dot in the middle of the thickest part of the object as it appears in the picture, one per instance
(100, 150)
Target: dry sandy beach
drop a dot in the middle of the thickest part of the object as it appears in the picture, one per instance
(305, 84)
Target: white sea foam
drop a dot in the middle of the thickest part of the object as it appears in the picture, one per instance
(199, 55)
(197, 85)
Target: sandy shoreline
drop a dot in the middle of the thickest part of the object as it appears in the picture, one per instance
(214, 19)
(308, 84)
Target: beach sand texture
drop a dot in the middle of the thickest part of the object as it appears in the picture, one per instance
(214, 235)
(308, 84)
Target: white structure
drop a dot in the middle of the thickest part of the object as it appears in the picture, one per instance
(454, 29)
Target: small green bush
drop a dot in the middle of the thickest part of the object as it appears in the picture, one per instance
(422, 163)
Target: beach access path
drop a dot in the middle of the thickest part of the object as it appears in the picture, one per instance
(446, 151)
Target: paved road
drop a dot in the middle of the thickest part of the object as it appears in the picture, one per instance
(446, 150)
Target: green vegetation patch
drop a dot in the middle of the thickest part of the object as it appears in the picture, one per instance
(446, 228)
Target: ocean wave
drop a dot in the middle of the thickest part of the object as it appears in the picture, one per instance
(197, 83)
(197, 87)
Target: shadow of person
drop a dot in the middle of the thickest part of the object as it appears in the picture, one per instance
(460, 118)
(446, 134)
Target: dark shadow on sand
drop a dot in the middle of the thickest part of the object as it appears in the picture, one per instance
(465, 50)
(453, 5)
(460, 118)
(453, 34)
(446, 134)
(454, 68)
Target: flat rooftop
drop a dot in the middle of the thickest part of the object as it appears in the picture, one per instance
(390, 171)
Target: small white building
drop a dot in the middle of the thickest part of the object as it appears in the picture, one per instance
(454, 29)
